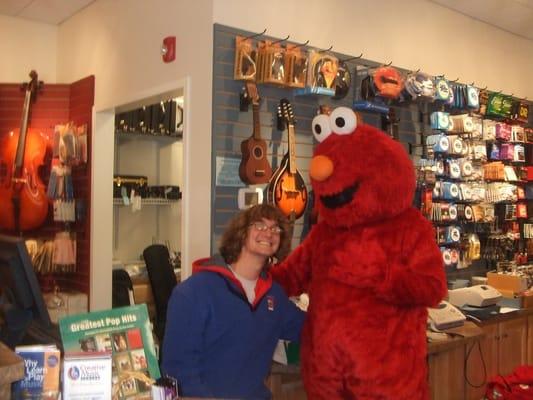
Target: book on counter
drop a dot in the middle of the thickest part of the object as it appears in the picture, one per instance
(126, 334)
(42, 365)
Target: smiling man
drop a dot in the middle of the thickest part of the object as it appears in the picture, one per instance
(223, 323)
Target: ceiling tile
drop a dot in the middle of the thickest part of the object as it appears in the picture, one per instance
(47, 11)
(515, 16)
(13, 7)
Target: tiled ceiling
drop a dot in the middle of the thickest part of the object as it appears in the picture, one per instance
(48, 11)
(515, 16)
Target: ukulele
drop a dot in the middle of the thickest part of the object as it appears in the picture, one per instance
(23, 201)
(287, 188)
(254, 167)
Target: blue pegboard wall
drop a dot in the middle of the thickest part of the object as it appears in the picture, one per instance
(230, 126)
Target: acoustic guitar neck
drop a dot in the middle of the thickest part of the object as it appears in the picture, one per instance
(257, 124)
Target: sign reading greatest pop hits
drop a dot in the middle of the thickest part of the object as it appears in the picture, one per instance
(126, 333)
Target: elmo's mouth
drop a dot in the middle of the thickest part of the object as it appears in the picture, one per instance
(340, 199)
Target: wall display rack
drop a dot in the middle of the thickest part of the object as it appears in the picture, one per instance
(59, 104)
(407, 121)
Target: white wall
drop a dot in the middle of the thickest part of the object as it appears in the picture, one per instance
(27, 45)
(119, 42)
(412, 34)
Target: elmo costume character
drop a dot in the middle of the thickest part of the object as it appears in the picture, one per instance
(371, 266)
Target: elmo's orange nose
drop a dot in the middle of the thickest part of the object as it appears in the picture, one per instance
(321, 168)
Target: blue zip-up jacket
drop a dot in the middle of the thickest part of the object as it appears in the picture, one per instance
(216, 343)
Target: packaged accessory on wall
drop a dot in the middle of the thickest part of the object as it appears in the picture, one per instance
(466, 167)
(446, 256)
(489, 129)
(418, 84)
(274, 63)
(456, 145)
(343, 81)
(520, 112)
(503, 131)
(296, 62)
(461, 123)
(499, 105)
(454, 169)
(479, 151)
(449, 191)
(506, 151)
(472, 97)
(442, 89)
(518, 133)
(519, 153)
(387, 82)
(440, 120)
(439, 143)
(245, 59)
(322, 71)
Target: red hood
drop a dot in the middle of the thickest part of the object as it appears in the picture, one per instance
(216, 264)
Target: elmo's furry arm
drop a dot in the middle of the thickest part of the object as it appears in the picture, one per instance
(418, 278)
(294, 273)
(413, 276)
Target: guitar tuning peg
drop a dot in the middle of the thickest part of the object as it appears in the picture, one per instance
(244, 101)
(281, 122)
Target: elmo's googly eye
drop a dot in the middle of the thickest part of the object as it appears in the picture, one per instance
(321, 128)
(343, 120)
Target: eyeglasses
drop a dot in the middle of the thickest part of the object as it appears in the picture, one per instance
(261, 226)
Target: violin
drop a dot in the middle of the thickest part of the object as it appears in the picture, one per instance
(23, 201)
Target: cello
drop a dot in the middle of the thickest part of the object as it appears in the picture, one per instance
(23, 201)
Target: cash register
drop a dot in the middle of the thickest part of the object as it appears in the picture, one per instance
(478, 301)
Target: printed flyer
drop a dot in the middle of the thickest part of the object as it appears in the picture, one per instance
(126, 333)
(87, 376)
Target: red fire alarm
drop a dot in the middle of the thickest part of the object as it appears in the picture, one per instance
(168, 49)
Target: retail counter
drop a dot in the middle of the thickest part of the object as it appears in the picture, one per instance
(455, 360)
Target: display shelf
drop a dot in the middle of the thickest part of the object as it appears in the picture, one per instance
(147, 202)
(121, 135)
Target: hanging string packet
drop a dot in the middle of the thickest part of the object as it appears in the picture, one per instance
(245, 59)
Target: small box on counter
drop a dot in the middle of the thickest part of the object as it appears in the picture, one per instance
(42, 364)
(87, 376)
(508, 285)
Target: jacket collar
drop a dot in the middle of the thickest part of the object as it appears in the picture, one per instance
(217, 265)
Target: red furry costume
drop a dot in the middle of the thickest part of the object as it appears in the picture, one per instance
(371, 266)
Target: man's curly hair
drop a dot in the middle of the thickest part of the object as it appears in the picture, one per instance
(237, 231)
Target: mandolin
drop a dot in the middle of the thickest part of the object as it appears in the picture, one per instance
(23, 201)
(287, 188)
(254, 167)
